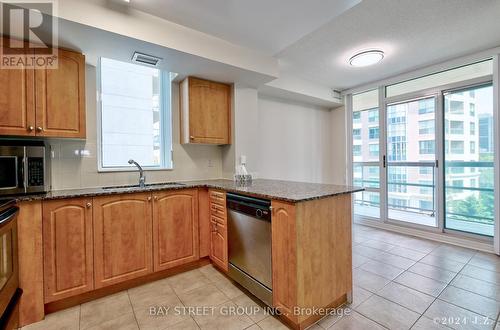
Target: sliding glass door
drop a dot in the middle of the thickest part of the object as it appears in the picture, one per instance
(469, 160)
(424, 149)
(411, 160)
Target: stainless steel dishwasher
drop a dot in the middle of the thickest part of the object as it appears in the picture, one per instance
(249, 243)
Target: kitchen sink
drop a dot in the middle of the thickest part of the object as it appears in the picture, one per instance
(147, 185)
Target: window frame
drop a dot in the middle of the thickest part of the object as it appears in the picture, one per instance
(166, 134)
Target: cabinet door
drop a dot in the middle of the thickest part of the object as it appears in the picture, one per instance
(60, 97)
(122, 238)
(17, 100)
(209, 112)
(284, 252)
(175, 228)
(67, 248)
(218, 244)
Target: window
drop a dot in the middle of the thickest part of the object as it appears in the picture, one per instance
(398, 202)
(457, 147)
(135, 116)
(426, 147)
(427, 186)
(373, 149)
(425, 106)
(373, 133)
(456, 107)
(373, 116)
(472, 147)
(472, 128)
(397, 179)
(456, 170)
(426, 127)
(425, 170)
(356, 117)
(426, 205)
(356, 134)
(472, 109)
(356, 150)
(456, 127)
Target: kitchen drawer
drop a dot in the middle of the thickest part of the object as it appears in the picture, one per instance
(219, 220)
(217, 197)
(218, 210)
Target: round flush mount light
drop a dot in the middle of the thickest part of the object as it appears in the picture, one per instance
(366, 58)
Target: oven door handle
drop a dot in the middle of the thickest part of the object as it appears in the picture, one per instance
(7, 216)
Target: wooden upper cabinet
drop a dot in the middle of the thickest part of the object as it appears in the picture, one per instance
(122, 238)
(60, 97)
(17, 99)
(205, 112)
(175, 228)
(67, 248)
(284, 252)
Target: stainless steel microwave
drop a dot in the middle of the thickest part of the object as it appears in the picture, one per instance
(23, 167)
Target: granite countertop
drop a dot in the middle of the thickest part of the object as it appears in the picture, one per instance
(288, 191)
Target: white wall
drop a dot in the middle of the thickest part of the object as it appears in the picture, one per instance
(75, 162)
(300, 142)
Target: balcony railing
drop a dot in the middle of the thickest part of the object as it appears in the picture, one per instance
(450, 213)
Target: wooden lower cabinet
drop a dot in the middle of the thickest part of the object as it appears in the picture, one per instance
(218, 244)
(67, 248)
(175, 228)
(122, 238)
(284, 258)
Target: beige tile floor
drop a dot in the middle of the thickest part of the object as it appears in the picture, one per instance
(400, 282)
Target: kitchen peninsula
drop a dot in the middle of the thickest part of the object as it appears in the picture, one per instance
(113, 238)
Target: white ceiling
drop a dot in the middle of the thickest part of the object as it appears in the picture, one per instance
(265, 25)
(413, 33)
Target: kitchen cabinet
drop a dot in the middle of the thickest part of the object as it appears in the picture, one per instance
(218, 230)
(205, 112)
(17, 99)
(122, 238)
(312, 256)
(218, 247)
(175, 228)
(67, 248)
(284, 253)
(60, 97)
(47, 102)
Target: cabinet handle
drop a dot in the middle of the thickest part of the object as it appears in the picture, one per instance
(149, 199)
(191, 137)
(30, 128)
(88, 205)
(155, 198)
(39, 129)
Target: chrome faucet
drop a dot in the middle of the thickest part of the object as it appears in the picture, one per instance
(142, 177)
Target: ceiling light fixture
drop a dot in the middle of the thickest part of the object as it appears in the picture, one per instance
(366, 58)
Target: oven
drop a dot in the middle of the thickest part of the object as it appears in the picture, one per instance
(23, 167)
(9, 268)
